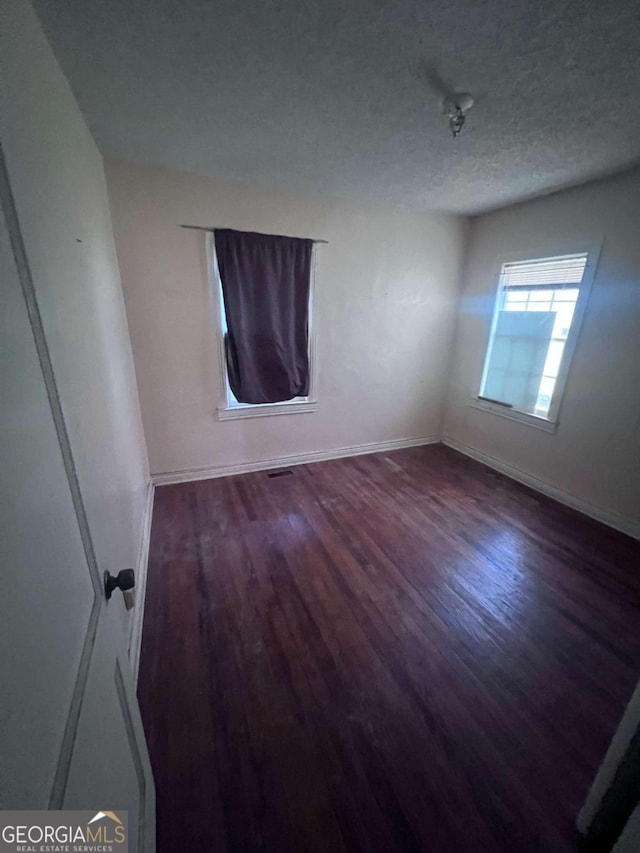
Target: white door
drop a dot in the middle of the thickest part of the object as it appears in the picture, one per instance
(70, 729)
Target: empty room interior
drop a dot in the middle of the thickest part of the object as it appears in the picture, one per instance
(321, 426)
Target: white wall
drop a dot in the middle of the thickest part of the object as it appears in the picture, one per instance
(57, 179)
(384, 313)
(593, 458)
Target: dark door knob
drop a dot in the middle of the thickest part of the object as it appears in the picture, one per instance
(124, 580)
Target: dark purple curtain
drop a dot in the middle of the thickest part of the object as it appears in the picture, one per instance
(265, 285)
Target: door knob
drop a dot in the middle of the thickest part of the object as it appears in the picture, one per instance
(124, 580)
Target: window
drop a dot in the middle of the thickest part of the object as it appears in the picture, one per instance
(228, 405)
(536, 320)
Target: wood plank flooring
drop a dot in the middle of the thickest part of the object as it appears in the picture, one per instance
(397, 652)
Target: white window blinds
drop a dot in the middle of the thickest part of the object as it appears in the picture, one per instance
(545, 273)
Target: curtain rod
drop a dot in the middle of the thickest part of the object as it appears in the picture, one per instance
(202, 228)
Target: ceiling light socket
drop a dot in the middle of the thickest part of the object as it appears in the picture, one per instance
(463, 100)
(455, 106)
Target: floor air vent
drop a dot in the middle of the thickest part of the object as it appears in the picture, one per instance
(280, 473)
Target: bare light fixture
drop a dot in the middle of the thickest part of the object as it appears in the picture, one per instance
(455, 106)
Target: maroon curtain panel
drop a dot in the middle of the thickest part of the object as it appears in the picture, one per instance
(265, 286)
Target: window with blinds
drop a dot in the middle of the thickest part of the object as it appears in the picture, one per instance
(527, 356)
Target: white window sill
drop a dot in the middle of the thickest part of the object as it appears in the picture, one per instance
(513, 415)
(263, 410)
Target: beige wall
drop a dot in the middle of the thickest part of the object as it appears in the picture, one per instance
(594, 455)
(384, 312)
(57, 179)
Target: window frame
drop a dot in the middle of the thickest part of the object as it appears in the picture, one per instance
(550, 422)
(226, 409)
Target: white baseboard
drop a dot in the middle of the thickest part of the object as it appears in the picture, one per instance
(188, 475)
(618, 522)
(135, 638)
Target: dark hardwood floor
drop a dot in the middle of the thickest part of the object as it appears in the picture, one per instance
(397, 652)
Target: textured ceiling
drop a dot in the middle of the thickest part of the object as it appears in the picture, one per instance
(337, 95)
